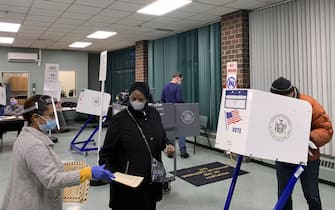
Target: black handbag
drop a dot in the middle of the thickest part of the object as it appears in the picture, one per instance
(158, 172)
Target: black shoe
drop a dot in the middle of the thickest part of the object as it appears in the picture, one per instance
(184, 155)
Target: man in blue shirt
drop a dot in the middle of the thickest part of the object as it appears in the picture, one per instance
(172, 94)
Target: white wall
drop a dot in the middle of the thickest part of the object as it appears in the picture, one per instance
(67, 60)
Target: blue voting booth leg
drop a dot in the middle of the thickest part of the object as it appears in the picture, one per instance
(83, 144)
(233, 183)
(289, 188)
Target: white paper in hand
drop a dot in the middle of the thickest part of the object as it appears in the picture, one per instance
(129, 180)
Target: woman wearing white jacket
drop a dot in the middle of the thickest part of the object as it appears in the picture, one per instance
(37, 175)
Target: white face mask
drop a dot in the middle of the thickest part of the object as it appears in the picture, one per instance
(137, 105)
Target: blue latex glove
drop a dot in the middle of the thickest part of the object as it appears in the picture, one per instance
(98, 172)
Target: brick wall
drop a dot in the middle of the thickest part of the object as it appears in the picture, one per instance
(141, 63)
(235, 45)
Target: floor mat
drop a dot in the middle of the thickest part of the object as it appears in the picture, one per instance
(207, 173)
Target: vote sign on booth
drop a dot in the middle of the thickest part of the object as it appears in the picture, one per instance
(264, 125)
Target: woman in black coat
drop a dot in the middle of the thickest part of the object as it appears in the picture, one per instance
(124, 150)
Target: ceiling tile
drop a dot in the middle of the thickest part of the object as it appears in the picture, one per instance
(271, 1)
(25, 3)
(12, 17)
(114, 13)
(63, 26)
(130, 22)
(45, 12)
(220, 11)
(124, 6)
(13, 8)
(69, 21)
(105, 19)
(119, 27)
(179, 14)
(203, 17)
(41, 4)
(197, 7)
(215, 2)
(246, 4)
(29, 23)
(76, 15)
(138, 16)
(64, 1)
(100, 3)
(142, 2)
(84, 9)
(41, 18)
(95, 25)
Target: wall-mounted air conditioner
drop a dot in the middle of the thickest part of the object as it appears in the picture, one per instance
(22, 57)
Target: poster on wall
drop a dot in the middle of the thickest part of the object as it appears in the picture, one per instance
(89, 102)
(264, 125)
(231, 81)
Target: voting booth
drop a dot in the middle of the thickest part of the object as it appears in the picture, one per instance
(187, 119)
(264, 125)
(90, 102)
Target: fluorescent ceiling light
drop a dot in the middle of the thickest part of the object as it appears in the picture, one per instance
(80, 44)
(9, 27)
(101, 35)
(162, 7)
(6, 40)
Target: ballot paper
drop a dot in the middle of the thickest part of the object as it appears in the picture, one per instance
(129, 180)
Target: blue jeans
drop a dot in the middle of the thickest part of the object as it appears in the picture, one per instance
(182, 144)
(309, 182)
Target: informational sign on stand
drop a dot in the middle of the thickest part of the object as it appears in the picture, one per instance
(231, 81)
(52, 86)
(103, 66)
(89, 102)
(264, 125)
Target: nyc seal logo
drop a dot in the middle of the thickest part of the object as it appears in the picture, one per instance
(96, 101)
(231, 83)
(187, 117)
(280, 127)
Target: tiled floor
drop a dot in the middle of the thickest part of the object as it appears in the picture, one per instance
(254, 191)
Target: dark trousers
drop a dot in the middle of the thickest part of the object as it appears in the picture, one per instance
(309, 181)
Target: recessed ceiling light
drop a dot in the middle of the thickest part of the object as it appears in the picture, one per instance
(101, 34)
(162, 7)
(80, 44)
(9, 27)
(6, 40)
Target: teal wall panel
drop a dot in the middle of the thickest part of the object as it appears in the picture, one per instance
(197, 54)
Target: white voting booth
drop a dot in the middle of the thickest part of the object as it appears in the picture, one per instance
(264, 125)
(89, 102)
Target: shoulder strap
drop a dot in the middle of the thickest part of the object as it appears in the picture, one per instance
(141, 131)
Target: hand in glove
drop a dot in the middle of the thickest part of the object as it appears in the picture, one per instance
(98, 172)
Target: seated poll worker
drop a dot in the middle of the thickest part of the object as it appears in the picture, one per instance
(13, 108)
(37, 176)
(125, 150)
(320, 134)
